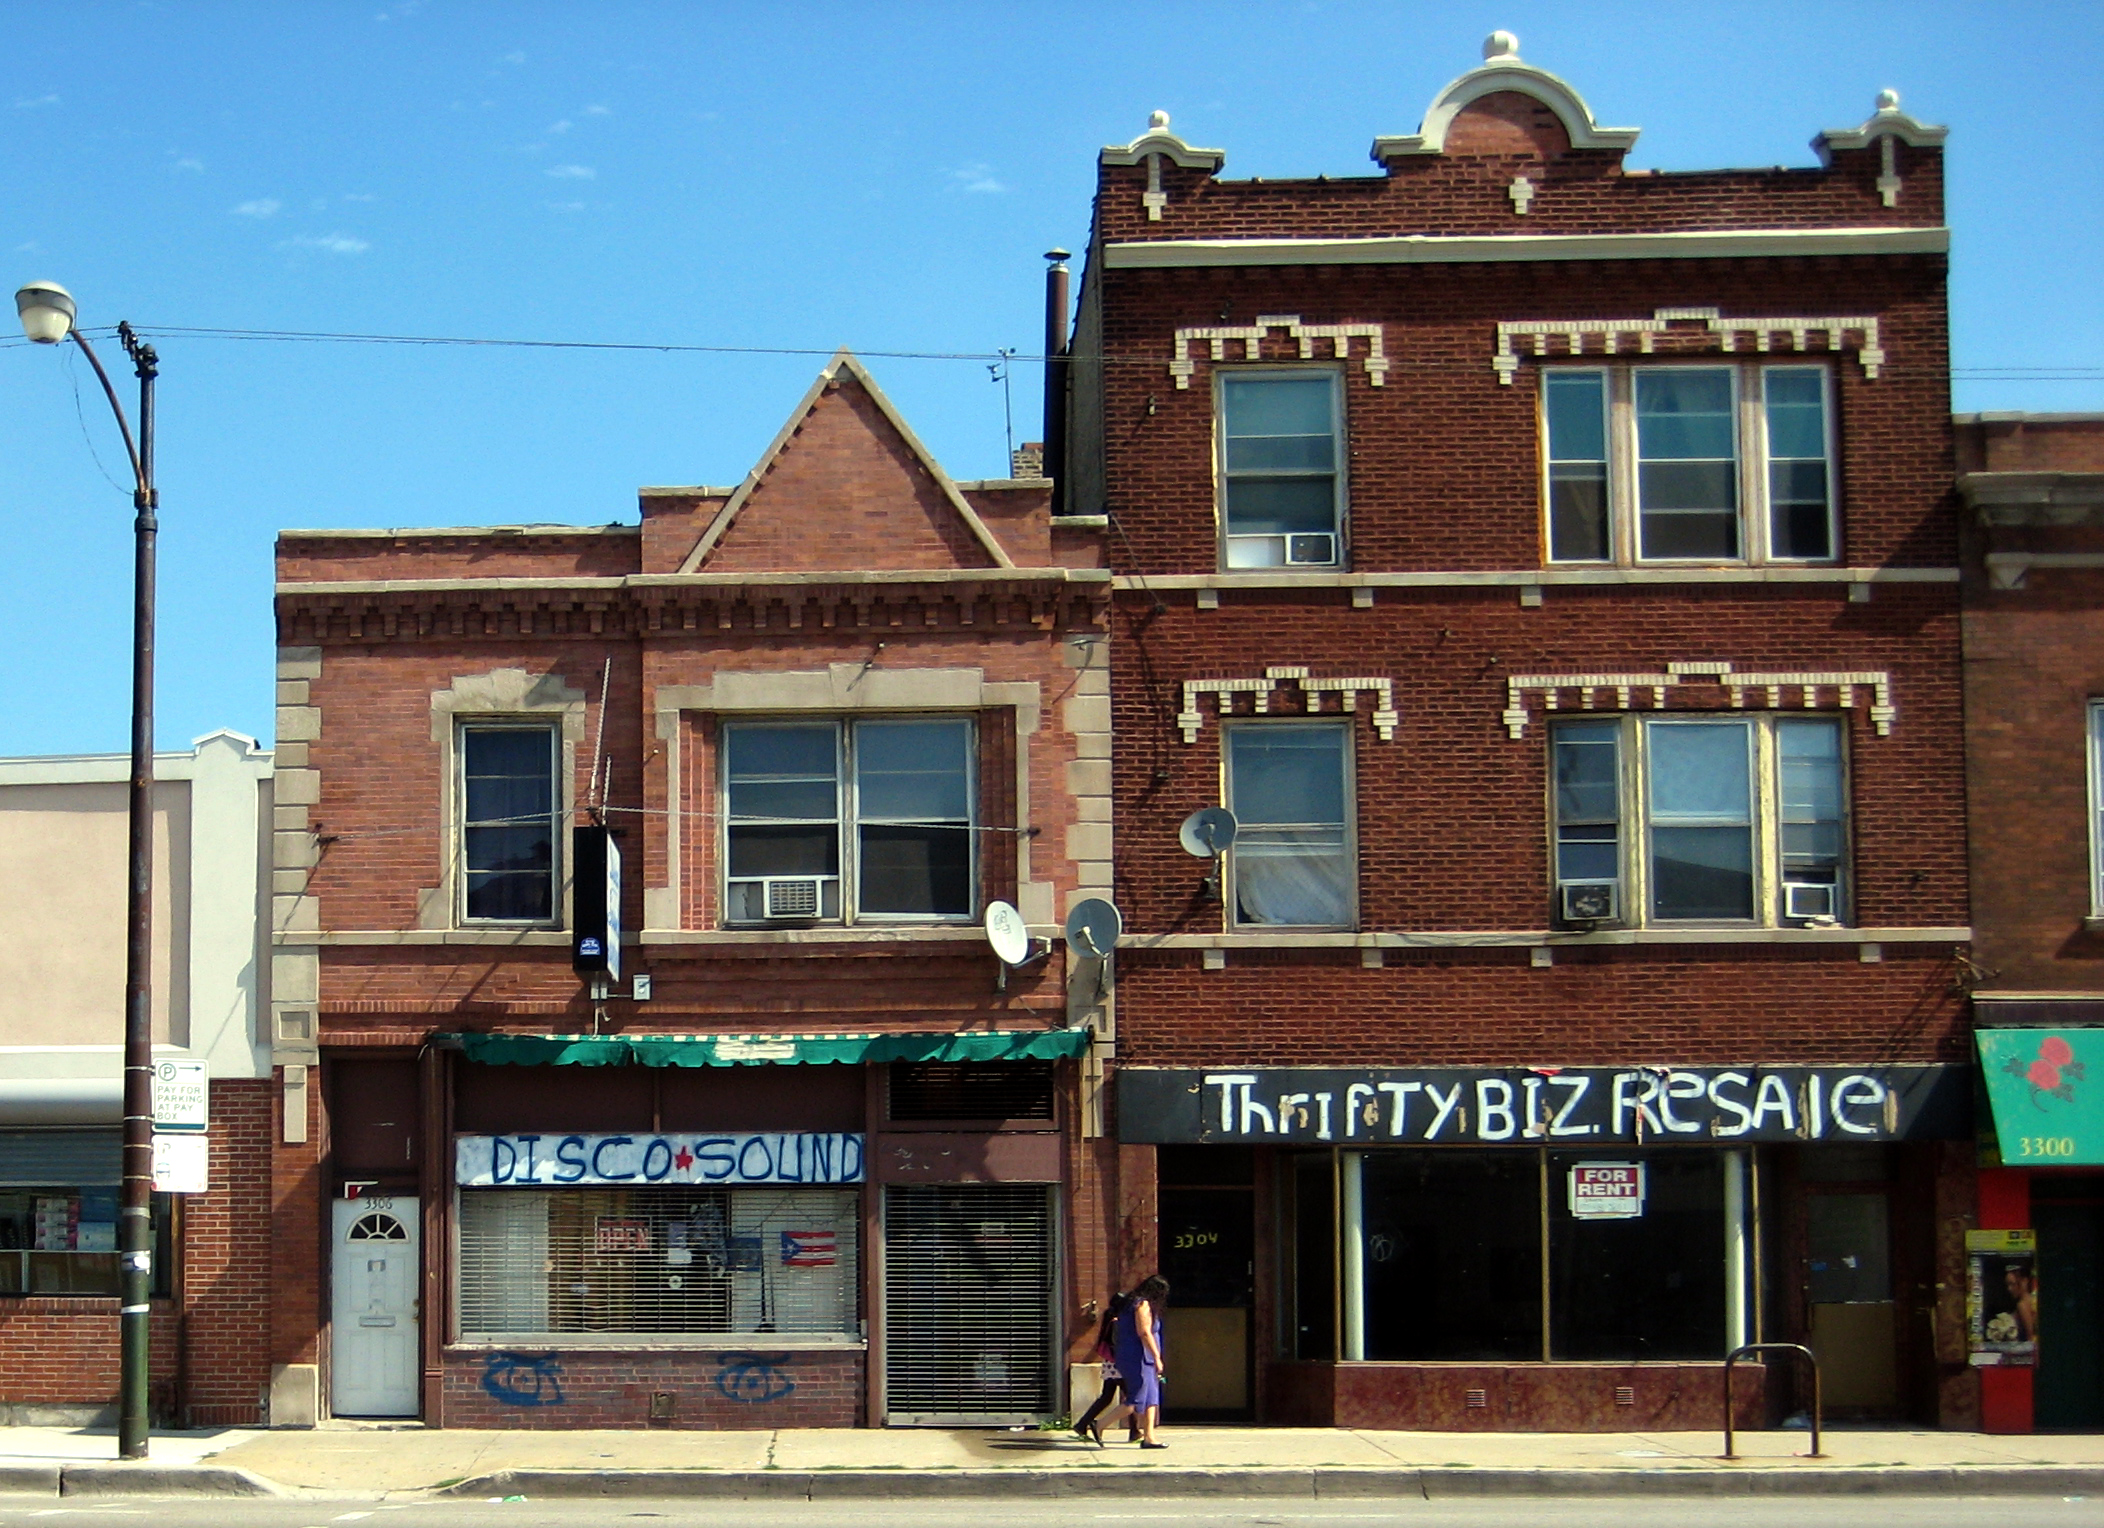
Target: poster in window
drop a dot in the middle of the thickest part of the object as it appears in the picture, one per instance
(2001, 1296)
(1607, 1190)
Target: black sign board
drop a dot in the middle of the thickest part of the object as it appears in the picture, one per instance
(595, 902)
(1545, 1106)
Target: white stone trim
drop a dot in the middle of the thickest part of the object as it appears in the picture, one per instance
(1498, 248)
(1182, 367)
(1503, 71)
(1158, 141)
(1490, 939)
(1887, 122)
(1539, 332)
(1385, 718)
(1702, 671)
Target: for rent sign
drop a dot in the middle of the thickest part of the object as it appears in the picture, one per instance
(1607, 1190)
(1553, 1106)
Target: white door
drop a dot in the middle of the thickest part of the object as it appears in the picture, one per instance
(375, 1365)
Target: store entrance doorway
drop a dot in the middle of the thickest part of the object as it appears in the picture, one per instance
(1208, 1255)
(2068, 1214)
(374, 1364)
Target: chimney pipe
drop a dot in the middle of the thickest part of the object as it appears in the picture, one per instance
(1056, 309)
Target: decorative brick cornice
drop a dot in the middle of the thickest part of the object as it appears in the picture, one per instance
(1182, 367)
(643, 605)
(1810, 686)
(1385, 717)
(1538, 333)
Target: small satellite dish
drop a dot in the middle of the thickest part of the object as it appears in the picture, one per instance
(1007, 933)
(1207, 832)
(1093, 927)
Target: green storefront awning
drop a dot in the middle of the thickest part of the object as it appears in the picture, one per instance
(2047, 1089)
(769, 1050)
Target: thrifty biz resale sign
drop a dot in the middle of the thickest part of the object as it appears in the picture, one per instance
(545, 1161)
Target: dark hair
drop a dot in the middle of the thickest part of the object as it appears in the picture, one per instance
(1154, 1291)
(1108, 1324)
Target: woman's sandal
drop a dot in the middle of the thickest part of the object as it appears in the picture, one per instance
(1145, 1444)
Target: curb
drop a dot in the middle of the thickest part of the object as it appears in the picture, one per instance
(41, 1478)
(148, 1479)
(1274, 1483)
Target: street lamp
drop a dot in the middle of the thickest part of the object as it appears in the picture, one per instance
(47, 312)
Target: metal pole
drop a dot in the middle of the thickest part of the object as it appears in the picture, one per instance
(135, 1230)
(135, 1210)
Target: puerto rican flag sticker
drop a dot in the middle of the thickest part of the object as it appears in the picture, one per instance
(810, 1249)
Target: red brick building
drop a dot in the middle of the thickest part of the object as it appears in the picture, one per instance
(799, 1159)
(1554, 568)
(2033, 486)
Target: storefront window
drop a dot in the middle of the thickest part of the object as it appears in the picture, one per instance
(1453, 1255)
(1640, 1288)
(682, 1260)
(63, 1241)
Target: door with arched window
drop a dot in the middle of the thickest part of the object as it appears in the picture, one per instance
(373, 1355)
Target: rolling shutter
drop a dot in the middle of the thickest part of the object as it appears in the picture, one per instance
(61, 1158)
(968, 1301)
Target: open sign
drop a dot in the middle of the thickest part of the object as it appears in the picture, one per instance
(1607, 1190)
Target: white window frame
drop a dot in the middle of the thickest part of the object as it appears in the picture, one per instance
(2095, 751)
(848, 818)
(1756, 520)
(558, 804)
(1633, 838)
(1339, 495)
(1230, 871)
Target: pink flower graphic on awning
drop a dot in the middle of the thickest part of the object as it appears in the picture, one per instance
(2053, 1073)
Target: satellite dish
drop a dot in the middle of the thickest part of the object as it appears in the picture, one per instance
(1093, 927)
(1007, 933)
(1207, 832)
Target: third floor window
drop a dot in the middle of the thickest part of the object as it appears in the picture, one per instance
(1281, 469)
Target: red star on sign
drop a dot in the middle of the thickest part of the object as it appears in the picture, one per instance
(684, 1160)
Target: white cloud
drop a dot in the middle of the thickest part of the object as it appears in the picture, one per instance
(564, 206)
(359, 196)
(599, 111)
(330, 243)
(559, 127)
(194, 166)
(977, 178)
(31, 103)
(28, 249)
(573, 172)
(261, 207)
(513, 58)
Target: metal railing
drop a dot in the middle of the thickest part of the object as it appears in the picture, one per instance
(1771, 1347)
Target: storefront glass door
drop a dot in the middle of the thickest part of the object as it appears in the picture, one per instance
(2068, 1214)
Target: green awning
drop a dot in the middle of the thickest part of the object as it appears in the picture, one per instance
(2047, 1089)
(769, 1050)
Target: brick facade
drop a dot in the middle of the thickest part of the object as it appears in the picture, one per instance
(1443, 588)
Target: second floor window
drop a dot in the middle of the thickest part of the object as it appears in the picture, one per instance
(1288, 786)
(1280, 480)
(1699, 820)
(834, 821)
(1689, 464)
(509, 812)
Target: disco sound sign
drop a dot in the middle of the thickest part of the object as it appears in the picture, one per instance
(562, 1161)
(1553, 1106)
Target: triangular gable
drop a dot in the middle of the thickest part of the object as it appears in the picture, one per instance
(843, 469)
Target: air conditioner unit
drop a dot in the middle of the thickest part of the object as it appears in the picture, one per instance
(1589, 901)
(1808, 900)
(791, 896)
(1311, 550)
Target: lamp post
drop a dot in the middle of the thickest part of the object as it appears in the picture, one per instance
(47, 313)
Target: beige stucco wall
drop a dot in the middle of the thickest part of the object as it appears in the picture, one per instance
(62, 925)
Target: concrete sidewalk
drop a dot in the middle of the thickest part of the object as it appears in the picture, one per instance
(377, 1461)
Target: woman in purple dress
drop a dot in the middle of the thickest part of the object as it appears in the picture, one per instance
(1139, 1347)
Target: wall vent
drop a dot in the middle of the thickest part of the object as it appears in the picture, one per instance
(1477, 1400)
(1625, 1395)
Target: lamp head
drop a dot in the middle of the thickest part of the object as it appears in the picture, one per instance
(47, 311)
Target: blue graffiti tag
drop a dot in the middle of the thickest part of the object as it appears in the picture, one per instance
(519, 1379)
(754, 1377)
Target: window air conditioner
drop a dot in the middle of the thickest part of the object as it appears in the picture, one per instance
(1315, 550)
(1589, 902)
(1808, 900)
(791, 896)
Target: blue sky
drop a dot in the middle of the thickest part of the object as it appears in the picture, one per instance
(792, 176)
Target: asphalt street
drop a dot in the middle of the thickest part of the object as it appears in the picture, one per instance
(1533, 1512)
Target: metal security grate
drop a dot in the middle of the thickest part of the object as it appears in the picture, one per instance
(968, 1300)
(942, 1090)
(658, 1260)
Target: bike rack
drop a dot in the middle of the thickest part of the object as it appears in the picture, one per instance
(1771, 1347)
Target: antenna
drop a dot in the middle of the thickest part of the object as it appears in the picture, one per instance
(1010, 937)
(1207, 834)
(1094, 928)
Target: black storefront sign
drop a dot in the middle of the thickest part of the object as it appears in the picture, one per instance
(1572, 1106)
